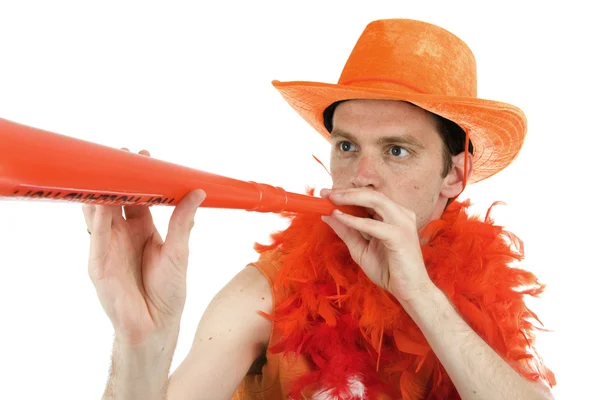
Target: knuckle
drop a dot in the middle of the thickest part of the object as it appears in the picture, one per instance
(377, 198)
(178, 259)
(88, 210)
(183, 224)
(94, 272)
(93, 275)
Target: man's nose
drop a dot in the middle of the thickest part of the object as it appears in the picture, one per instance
(367, 172)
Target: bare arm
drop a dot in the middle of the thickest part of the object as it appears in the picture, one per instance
(476, 370)
(230, 336)
(140, 371)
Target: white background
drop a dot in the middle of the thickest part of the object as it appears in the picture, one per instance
(191, 83)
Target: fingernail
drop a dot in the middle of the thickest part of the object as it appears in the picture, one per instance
(325, 192)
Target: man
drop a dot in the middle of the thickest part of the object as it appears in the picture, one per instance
(405, 297)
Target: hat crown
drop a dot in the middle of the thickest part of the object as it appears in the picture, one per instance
(411, 56)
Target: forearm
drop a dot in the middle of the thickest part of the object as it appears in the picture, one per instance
(476, 370)
(141, 371)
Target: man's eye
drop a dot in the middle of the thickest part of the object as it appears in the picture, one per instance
(346, 146)
(398, 151)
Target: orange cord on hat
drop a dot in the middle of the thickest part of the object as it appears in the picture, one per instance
(466, 165)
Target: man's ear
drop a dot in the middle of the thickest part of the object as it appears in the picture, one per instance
(455, 181)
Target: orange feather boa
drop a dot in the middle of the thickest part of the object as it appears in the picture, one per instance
(348, 328)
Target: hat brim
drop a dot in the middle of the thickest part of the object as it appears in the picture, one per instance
(496, 129)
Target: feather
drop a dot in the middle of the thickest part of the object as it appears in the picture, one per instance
(350, 330)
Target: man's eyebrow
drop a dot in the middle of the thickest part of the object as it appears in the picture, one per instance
(403, 139)
(342, 134)
(398, 139)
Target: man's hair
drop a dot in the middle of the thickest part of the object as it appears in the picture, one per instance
(454, 139)
(450, 132)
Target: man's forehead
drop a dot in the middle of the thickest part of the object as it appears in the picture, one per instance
(387, 114)
(374, 109)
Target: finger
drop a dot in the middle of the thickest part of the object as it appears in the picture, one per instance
(376, 229)
(116, 212)
(180, 226)
(101, 231)
(325, 193)
(141, 213)
(382, 205)
(88, 215)
(353, 239)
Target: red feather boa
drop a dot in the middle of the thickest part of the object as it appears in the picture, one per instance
(347, 327)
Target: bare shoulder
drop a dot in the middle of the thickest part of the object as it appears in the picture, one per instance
(239, 301)
(231, 335)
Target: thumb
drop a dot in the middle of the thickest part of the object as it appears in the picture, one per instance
(180, 226)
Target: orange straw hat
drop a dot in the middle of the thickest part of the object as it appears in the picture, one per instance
(421, 63)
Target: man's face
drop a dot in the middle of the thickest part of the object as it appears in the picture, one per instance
(392, 147)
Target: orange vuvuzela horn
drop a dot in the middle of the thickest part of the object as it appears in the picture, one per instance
(41, 165)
